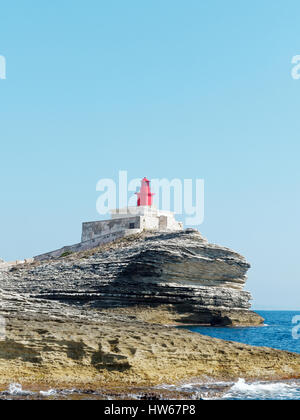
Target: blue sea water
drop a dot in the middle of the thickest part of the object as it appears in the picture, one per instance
(278, 332)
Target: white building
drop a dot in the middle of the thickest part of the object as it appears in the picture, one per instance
(131, 220)
(123, 222)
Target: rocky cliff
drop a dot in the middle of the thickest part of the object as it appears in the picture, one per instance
(194, 281)
(91, 319)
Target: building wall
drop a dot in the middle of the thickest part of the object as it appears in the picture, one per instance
(92, 230)
(84, 246)
(151, 223)
(101, 232)
(134, 211)
(151, 217)
(172, 223)
(163, 222)
(152, 220)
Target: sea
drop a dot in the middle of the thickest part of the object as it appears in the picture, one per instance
(280, 331)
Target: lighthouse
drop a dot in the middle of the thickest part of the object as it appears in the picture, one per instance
(132, 220)
(145, 196)
(142, 217)
(124, 222)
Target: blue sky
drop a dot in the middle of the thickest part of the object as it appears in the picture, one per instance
(162, 89)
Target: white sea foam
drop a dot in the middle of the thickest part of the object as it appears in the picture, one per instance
(241, 390)
(264, 390)
(204, 390)
(48, 393)
(16, 389)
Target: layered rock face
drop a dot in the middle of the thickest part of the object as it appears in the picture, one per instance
(54, 345)
(191, 280)
(90, 320)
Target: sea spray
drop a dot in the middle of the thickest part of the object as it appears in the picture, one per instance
(242, 390)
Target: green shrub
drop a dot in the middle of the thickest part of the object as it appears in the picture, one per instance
(66, 254)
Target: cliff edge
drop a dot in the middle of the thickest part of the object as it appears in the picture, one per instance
(98, 318)
(190, 280)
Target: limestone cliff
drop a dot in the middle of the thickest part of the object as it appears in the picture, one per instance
(194, 281)
(92, 318)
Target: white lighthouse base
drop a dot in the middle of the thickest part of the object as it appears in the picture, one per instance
(132, 218)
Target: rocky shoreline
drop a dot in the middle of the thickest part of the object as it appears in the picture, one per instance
(103, 318)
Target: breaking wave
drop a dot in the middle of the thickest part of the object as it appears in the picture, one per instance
(16, 389)
(210, 390)
(264, 391)
(241, 390)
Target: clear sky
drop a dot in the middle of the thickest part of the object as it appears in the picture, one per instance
(175, 89)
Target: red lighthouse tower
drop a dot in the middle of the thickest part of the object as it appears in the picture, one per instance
(145, 196)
